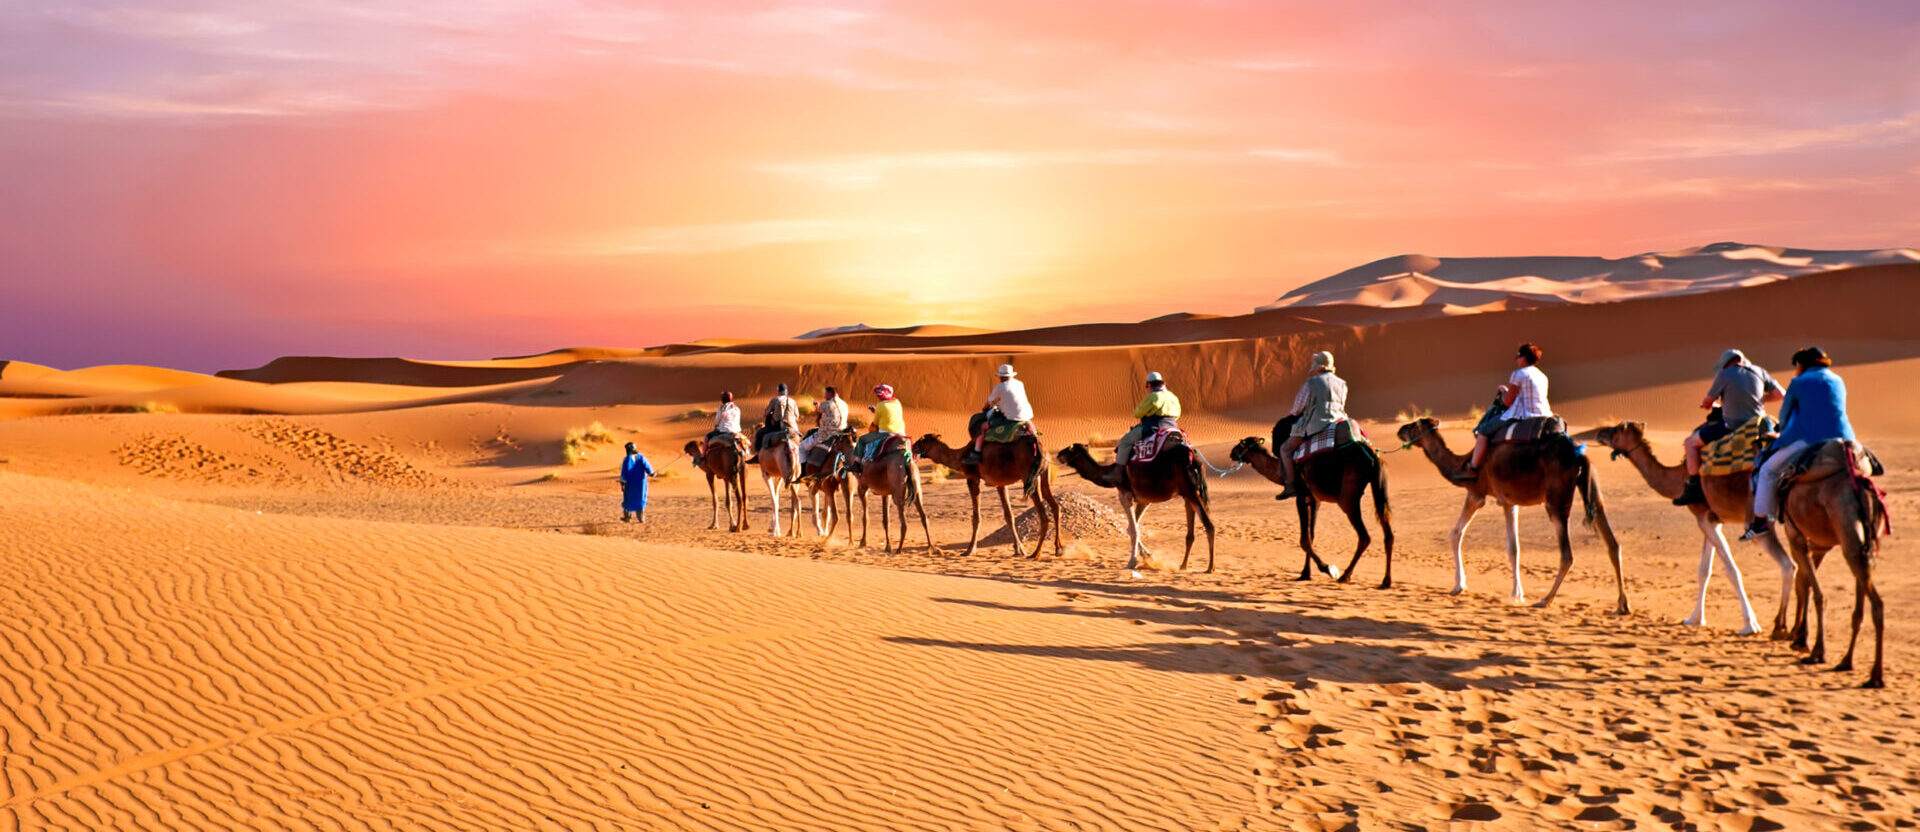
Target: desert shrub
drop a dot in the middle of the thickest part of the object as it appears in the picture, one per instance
(856, 421)
(1413, 412)
(550, 476)
(581, 441)
(693, 415)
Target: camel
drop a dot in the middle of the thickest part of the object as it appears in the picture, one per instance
(776, 464)
(1339, 476)
(1833, 505)
(893, 477)
(1545, 472)
(723, 462)
(827, 479)
(1729, 497)
(1003, 464)
(1174, 473)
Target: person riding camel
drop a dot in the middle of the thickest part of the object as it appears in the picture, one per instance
(726, 426)
(1524, 396)
(1813, 411)
(1006, 405)
(1160, 409)
(1742, 391)
(830, 420)
(889, 420)
(782, 414)
(1320, 404)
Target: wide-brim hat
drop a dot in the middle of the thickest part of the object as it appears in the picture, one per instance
(1730, 356)
(1006, 371)
(1153, 378)
(1323, 360)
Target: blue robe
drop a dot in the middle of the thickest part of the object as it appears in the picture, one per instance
(633, 482)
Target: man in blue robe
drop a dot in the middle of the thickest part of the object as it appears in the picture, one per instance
(633, 486)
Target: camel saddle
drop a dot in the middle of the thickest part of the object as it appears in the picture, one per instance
(1736, 452)
(892, 443)
(1530, 429)
(1337, 435)
(1826, 459)
(771, 437)
(1149, 447)
(717, 439)
(999, 432)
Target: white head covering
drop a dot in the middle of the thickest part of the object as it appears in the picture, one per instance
(1323, 361)
(1006, 371)
(1155, 377)
(1729, 355)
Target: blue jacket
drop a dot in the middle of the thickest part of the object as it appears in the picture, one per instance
(633, 479)
(1815, 409)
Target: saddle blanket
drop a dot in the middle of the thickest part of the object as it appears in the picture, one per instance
(875, 445)
(1735, 452)
(1149, 447)
(1009, 432)
(1527, 430)
(1338, 435)
(771, 437)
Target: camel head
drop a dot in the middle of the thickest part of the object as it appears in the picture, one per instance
(1245, 449)
(693, 448)
(1623, 438)
(1068, 453)
(1418, 429)
(926, 443)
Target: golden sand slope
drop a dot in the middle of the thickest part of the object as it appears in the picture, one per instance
(168, 665)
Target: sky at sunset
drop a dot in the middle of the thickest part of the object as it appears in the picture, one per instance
(212, 183)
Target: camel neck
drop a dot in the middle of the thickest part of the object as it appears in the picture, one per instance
(1666, 480)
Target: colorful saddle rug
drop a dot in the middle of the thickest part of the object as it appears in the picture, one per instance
(1006, 432)
(1337, 435)
(771, 437)
(1149, 447)
(1734, 453)
(873, 446)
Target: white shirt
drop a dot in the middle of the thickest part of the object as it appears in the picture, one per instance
(727, 419)
(1531, 400)
(831, 414)
(1010, 397)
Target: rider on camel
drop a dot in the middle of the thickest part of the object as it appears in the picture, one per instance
(1006, 404)
(1742, 391)
(1159, 410)
(1320, 404)
(1524, 396)
(1814, 411)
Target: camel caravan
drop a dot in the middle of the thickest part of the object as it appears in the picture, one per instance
(1798, 487)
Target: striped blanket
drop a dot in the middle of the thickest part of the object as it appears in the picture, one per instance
(1733, 453)
(1338, 435)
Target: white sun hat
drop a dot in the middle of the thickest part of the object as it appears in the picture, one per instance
(1006, 371)
(1155, 376)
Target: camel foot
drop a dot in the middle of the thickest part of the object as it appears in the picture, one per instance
(1779, 634)
(1344, 579)
(1874, 682)
(1694, 620)
(1385, 583)
(1845, 665)
(1304, 576)
(1518, 599)
(1458, 589)
(1334, 573)
(1752, 629)
(1810, 660)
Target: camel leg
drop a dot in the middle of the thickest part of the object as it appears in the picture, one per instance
(1206, 520)
(1605, 529)
(863, 518)
(1350, 503)
(1802, 590)
(925, 530)
(973, 537)
(1006, 508)
(1818, 621)
(1309, 511)
(1518, 595)
(1472, 507)
(713, 498)
(1770, 543)
(793, 496)
(1853, 548)
(1566, 555)
(1049, 516)
(1703, 574)
(773, 493)
(1877, 679)
(1189, 537)
(886, 526)
(1133, 529)
(1749, 623)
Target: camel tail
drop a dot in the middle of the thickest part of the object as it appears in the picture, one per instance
(1874, 518)
(1382, 511)
(1589, 490)
(1197, 475)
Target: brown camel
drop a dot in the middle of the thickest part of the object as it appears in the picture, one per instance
(1546, 472)
(1003, 464)
(776, 466)
(893, 477)
(1174, 473)
(828, 478)
(1729, 497)
(1339, 476)
(722, 461)
(1834, 504)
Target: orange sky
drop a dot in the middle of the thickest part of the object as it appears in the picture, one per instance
(210, 184)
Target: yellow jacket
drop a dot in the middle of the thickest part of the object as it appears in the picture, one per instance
(1158, 403)
(888, 416)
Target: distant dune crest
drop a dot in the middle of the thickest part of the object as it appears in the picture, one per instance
(1461, 285)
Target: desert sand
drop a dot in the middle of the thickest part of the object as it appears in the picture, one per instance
(372, 593)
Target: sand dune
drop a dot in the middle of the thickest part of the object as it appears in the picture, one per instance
(1472, 283)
